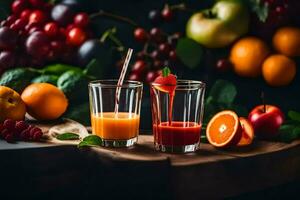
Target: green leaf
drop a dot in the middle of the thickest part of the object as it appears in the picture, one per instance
(67, 136)
(294, 115)
(189, 52)
(92, 68)
(58, 69)
(288, 133)
(91, 140)
(260, 8)
(223, 92)
(166, 71)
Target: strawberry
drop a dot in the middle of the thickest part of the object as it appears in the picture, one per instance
(166, 82)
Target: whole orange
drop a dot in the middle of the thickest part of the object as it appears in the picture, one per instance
(286, 40)
(279, 70)
(247, 56)
(44, 101)
(11, 105)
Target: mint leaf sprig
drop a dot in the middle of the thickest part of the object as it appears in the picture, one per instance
(290, 129)
(88, 141)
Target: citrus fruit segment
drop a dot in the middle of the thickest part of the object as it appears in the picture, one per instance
(247, 133)
(224, 129)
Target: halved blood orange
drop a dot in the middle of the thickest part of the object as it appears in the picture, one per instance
(247, 133)
(224, 129)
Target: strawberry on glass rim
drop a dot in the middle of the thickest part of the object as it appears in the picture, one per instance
(166, 81)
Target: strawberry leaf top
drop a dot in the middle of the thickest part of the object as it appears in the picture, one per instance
(166, 71)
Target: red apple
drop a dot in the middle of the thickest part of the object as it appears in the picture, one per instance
(266, 121)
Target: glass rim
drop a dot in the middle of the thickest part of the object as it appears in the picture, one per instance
(184, 83)
(112, 83)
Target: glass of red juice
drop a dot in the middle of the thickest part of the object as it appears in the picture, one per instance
(177, 112)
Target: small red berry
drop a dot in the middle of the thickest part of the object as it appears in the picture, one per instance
(19, 24)
(51, 29)
(9, 124)
(173, 55)
(20, 126)
(37, 16)
(4, 132)
(10, 20)
(167, 14)
(151, 76)
(134, 77)
(18, 6)
(164, 48)
(25, 14)
(140, 35)
(76, 36)
(157, 64)
(157, 35)
(25, 135)
(37, 3)
(9, 138)
(37, 135)
(223, 65)
(139, 67)
(81, 20)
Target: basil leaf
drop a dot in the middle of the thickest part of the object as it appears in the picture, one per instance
(67, 136)
(58, 69)
(91, 140)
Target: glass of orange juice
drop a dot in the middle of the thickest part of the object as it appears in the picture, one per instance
(115, 116)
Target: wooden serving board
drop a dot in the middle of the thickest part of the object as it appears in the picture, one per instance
(141, 172)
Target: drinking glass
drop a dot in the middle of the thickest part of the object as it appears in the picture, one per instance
(177, 117)
(115, 119)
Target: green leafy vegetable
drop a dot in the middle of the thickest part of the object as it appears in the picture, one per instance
(290, 130)
(189, 52)
(67, 136)
(91, 140)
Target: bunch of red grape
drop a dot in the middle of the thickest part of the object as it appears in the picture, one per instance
(159, 48)
(12, 131)
(37, 32)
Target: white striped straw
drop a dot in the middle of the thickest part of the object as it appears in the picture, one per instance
(121, 79)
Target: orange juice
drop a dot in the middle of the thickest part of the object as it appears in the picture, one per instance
(111, 126)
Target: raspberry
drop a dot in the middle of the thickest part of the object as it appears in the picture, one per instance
(4, 132)
(9, 124)
(20, 126)
(37, 135)
(24, 135)
(9, 138)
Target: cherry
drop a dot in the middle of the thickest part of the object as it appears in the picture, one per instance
(25, 14)
(10, 20)
(154, 16)
(280, 10)
(151, 76)
(81, 20)
(37, 16)
(167, 14)
(76, 36)
(134, 77)
(51, 29)
(139, 67)
(19, 24)
(18, 6)
(140, 35)
(57, 46)
(34, 29)
(223, 65)
(156, 35)
(164, 48)
(9, 138)
(156, 55)
(173, 55)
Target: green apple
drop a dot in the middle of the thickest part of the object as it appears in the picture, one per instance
(219, 26)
